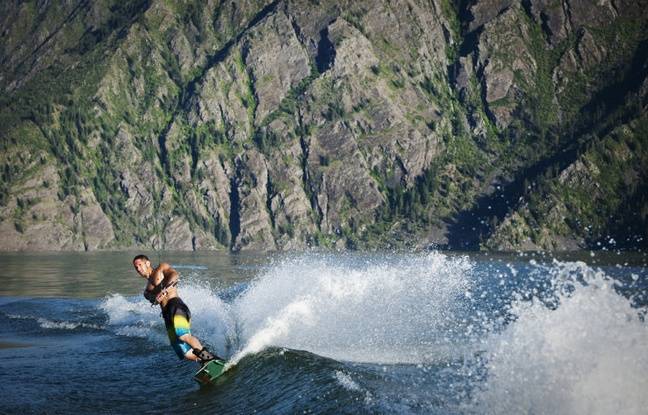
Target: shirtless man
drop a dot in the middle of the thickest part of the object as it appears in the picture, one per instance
(161, 289)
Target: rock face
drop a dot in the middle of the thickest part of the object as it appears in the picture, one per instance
(273, 125)
(275, 61)
(508, 65)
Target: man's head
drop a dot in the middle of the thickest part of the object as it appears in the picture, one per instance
(142, 265)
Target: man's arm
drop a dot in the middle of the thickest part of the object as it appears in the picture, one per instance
(167, 278)
(169, 275)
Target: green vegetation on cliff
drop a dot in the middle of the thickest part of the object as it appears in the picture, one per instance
(286, 124)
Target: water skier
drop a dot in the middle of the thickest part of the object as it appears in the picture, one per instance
(161, 289)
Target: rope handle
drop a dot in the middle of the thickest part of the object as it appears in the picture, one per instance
(170, 285)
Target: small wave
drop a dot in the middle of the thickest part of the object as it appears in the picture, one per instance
(345, 380)
(56, 324)
(66, 325)
(190, 266)
(19, 317)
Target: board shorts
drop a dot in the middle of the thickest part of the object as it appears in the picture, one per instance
(177, 319)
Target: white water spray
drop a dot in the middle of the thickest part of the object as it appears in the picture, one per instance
(368, 312)
(587, 356)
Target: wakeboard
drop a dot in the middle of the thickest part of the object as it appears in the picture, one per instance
(210, 372)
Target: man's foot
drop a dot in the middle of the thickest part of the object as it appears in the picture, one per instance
(204, 355)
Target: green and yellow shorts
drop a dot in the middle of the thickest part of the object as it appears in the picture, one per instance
(177, 318)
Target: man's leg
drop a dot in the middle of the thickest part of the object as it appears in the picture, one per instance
(195, 345)
(198, 352)
(192, 347)
(191, 341)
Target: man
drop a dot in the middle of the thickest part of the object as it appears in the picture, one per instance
(161, 289)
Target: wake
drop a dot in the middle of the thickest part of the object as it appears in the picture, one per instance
(574, 346)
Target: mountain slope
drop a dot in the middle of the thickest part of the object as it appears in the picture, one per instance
(285, 124)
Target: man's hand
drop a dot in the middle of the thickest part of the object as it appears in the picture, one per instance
(161, 295)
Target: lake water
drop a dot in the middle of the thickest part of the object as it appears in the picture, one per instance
(428, 333)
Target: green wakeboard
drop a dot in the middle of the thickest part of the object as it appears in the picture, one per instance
(210, 372)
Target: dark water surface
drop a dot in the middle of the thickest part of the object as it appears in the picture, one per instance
(434, 333)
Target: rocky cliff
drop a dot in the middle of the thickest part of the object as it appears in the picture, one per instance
(492, 124)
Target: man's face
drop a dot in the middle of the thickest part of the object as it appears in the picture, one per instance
(142, 267)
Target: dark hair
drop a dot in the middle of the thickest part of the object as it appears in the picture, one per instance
(141, 256)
